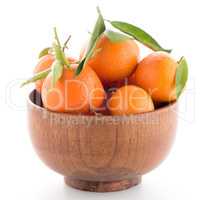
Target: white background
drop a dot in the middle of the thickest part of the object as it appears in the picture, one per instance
(26, 27)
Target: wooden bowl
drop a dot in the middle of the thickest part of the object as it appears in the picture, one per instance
(101, 153)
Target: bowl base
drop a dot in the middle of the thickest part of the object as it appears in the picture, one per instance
(95, 186)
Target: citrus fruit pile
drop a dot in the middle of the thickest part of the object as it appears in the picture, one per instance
(109, 78)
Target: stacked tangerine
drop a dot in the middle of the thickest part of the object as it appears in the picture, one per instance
(109, 77)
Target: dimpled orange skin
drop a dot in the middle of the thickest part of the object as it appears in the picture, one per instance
(45, 63)
(156, 74)
(114, 61)
(74, 94)
(130, 99)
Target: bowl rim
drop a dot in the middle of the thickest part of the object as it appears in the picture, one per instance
(165, 108)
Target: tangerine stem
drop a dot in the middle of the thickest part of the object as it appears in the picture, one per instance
(66, 42)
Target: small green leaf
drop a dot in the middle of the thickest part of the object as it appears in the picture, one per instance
(80, 67)
(116, 37)
(36, 77)
(97, 32)
(56, 37)
(181, 76)
(44, 52)
(139, 35)
(92, 51)
(59, 54)
(57, 71)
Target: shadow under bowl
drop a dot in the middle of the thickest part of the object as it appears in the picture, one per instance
(101, 153)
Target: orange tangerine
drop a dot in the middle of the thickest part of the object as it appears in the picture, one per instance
(130, 99)
(73, 94)
(113, 61)
(156, 74)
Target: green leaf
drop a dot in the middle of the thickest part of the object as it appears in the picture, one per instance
(59, 54)
(92, 51)
(44, 52)
(56, 37)
(116, 37)
(99, 28)
(36, 77)
(97, 32)
(57, 71)
(181, 76)
(139, 35)
(89, 55)
(80, 67)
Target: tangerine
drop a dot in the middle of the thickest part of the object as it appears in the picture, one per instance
(113, 61)
(130, 99)
(156, 74)
(73, 94)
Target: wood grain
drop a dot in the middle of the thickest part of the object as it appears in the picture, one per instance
(101, 153)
